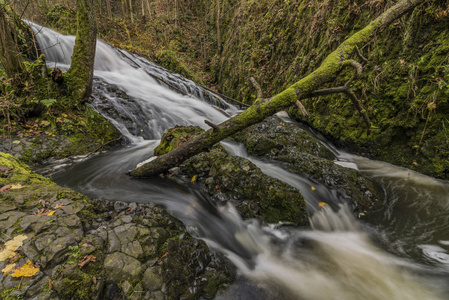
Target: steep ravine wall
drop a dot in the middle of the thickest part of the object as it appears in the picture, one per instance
(404, 86)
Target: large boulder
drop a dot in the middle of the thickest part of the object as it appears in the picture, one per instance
(302, 154)
(225, 177)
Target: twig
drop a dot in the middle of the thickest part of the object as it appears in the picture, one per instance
(215, 127)
(355, 64)
(222, 111)
(359, 54)
(257, 87)
(302, 108)
(355, 101)
(224, 96)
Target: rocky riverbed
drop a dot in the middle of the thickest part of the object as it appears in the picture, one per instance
(97, 250)
(81, 248)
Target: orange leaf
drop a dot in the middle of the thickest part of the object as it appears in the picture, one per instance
(27, 270)
(321, 204)
(47, 213)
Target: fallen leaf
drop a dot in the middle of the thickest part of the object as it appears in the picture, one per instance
(5, 188)
(6, 254)
(86, 259)
(8, 269)
(64, 115)
(11, 246)
(27, 270)
(16, 242)
(194, 178)
(50, 284)
(44, 214)
(59, 206)
(17, 186)
(321, 204)
(312, 188)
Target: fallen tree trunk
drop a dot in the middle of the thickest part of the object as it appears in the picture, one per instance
(263, 108)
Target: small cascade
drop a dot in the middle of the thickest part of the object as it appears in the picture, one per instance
(334, 259)
(133, 100)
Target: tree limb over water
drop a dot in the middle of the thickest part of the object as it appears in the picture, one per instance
(330, 68)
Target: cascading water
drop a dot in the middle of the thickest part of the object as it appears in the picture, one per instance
(335, 260)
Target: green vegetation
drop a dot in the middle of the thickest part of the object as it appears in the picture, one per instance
(403, 88)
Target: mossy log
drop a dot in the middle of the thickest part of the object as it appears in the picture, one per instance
(263, 108)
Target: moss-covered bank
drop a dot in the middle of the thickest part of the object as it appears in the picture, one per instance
(403, 86)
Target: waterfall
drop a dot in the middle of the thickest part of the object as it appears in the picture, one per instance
(335, 259)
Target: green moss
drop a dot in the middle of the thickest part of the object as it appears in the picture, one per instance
(5, 294)
(175, 137)
(169, 60)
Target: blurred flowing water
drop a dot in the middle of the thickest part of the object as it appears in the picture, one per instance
(397, 252)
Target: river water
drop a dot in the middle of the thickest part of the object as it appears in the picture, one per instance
(397, 252)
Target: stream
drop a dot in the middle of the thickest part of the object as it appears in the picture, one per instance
(397, 252)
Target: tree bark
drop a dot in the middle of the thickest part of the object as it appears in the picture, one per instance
(218, 28)
(261, 109)
(10, 56)
(80, 74)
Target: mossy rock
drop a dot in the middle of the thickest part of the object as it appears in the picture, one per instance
(237, 179)
(80, 227)
(274, 137)
(175, 137)
(302, 154)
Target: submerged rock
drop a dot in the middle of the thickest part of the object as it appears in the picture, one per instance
(99, 250)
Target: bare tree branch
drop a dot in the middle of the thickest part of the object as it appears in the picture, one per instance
(257, 87)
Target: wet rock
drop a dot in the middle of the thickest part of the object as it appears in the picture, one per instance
(151, 281)
(302, 154)
(256, 194)
(38, 147)
(120, 266)
(133, 249)
(113, 242)
(274, 137)
(88, 254)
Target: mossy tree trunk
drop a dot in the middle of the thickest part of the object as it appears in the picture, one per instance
(80, 75)
(10, 56)
(263, 108)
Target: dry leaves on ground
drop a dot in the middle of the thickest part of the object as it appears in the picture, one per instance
(27, 270)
